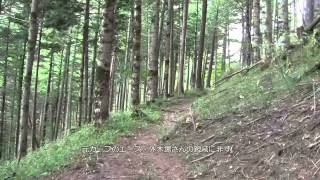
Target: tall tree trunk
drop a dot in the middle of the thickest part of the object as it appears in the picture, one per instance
(276, 21)
(136, 57)
(93, 66)
(169, 48)
(35, 97)
(102, 92)
(13, 113)
(213, 47)
(257, 36)
(4, 94)
(20, 84)
(54, 114)
(160, 49)
(85, 56)
(269, 31)
(308, 12)
(66, 89)
(247, 51)
(199, 84)
(183, 47)
(188, 71)
(285, 29)
(32, 40)
(224, 50)
(47, 99)
(154, 54)
(194, 65)
(127, 60)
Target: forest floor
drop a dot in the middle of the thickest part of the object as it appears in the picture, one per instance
(135, 157)
(277, 141)
(260, 124)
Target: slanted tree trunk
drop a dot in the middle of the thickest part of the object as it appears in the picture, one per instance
(32, 40)
(154, 54)
(183, 47)
(257, 36)
(199, 84)
(102, 92)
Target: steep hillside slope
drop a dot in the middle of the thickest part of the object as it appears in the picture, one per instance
(259, 124)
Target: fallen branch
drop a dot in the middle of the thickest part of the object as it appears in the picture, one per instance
(207, 139)
(313, 144)
(262, 146)
(204, 157)
(238, 72)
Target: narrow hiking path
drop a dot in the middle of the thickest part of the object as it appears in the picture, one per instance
(138, 157)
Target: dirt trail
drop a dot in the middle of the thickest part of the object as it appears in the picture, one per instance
(130, 164)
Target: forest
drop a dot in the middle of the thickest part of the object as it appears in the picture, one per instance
(235, 75)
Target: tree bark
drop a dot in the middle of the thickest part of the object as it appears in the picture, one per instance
(154, 54)
(308, 12)
(102, 92)
(269, 31)
(285, 29)
(224, 50)
(85, 56)
(93, 66)
(136, 57)
(194, 65)
(67, 115)
(169, 48)
(183, 47)
(247, 49)
(47, 99)
(35, 97)
(199, 84)
(213, 47)
(32, 39)
(4, 94)
(20, 84)
(257, 36)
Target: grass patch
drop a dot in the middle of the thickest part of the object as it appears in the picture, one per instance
(53, 156)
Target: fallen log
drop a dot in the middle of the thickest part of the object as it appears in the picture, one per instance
(313, 24)
(238, 72)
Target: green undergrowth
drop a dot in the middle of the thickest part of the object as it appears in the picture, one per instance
(257, 88)
(56, 155)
